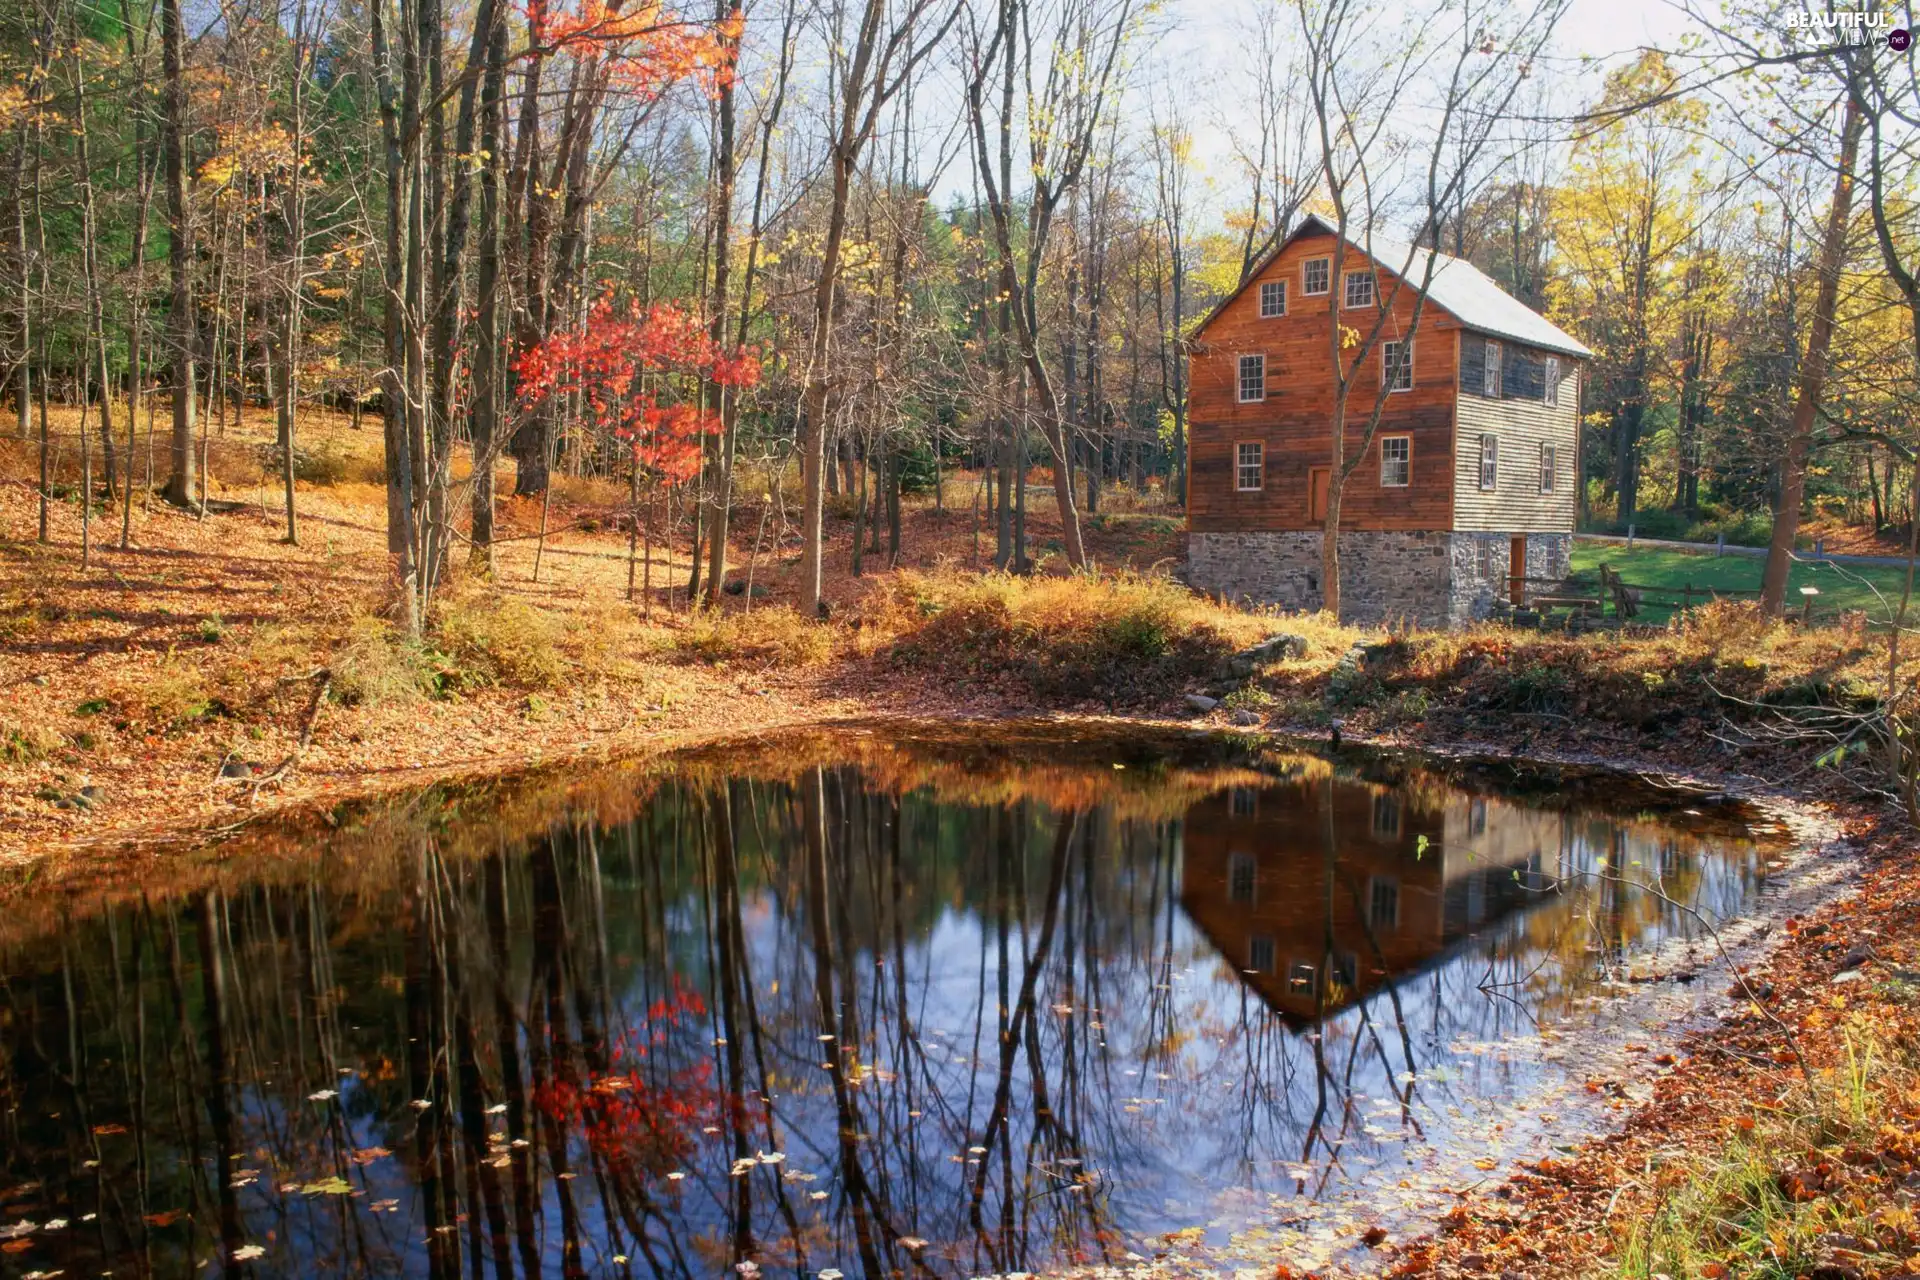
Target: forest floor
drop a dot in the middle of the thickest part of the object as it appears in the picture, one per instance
(164, 690)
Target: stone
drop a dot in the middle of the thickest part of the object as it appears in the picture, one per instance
(1201, 703)
(1245, 717)
(1432, 578)
(238, 769)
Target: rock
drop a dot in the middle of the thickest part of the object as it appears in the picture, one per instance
(759, 592)
(93, 793)
(1241, 665)
(1858, 954)
(1201, 703)
(239, 769)
(1244, 716)
(737, 587)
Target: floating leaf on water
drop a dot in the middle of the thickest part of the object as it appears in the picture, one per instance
(828, 1273)
(421, 1104)
(912, 1243)
(18, 1229)
(497, 1109)
(676, 1176)
(323, 1095)
(367, 1155)
(108, 1130)
(248, 1252)
(772, 1157)
(817, 1195)
(334, 1186)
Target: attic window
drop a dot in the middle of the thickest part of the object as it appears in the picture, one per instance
(1553, 380)
(1490, 378)
(1359, 288)
(1316, 275)
(1273, 298)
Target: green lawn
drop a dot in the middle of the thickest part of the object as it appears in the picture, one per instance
(1841, 586)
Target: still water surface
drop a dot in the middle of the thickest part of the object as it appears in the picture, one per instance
(869, 1003)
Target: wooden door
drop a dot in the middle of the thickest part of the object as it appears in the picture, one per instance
(1517, 570)
(1317, 494)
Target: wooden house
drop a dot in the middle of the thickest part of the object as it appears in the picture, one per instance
(1410, 875)
(1469, 482)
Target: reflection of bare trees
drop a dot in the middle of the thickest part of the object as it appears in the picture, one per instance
(797, 1024)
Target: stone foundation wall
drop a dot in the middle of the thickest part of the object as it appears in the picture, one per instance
(1384, 576)
(1430, 579)
(1549, 555)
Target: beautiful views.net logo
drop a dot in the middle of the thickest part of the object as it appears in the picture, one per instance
(1852, 27)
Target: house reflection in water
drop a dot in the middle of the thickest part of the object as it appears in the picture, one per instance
(1322, 890)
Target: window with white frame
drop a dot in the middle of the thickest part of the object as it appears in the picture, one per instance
(1240, 877)
(1548, 466)
(1316, 275)
(1383, 902)
(1359, 288)
(1396, 461)
(1489, 461)
(1249, 466)
(1253, 378)
(1386, 815)
(1552, 381)
(1490, 374)
(1273, 298)
(1483, 559)
(1396, 365)
(1302, 980)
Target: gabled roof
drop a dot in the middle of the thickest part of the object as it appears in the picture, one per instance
(1465, 292)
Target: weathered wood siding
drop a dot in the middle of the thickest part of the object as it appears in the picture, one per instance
(1523, 421)
(1294, 422)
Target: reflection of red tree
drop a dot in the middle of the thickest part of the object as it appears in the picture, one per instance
(634, 1121)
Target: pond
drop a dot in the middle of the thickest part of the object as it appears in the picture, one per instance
(899, 1001)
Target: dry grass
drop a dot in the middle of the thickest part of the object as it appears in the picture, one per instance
(1120, 638)
(775, 636)
(1793, 1189)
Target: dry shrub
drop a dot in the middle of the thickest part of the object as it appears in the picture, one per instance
(772, 635)
(1730, 625)
(166, 699)
(22, 742)
(601, 492)
(1120, 638)
(374, 663)
(501, 639)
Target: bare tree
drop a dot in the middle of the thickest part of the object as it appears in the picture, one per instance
(1473, 58)
(1051, 66)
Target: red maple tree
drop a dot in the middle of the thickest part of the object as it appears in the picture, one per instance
(635, 370)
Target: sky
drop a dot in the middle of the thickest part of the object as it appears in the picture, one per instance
(1203, 37)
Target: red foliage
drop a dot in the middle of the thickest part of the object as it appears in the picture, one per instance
(618, 362)
(637, 1124)
(645, 48)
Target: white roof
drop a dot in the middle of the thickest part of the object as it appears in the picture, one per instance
(1464, 290)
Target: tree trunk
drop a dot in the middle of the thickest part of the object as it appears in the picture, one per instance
(1813, 370)
(181, 322)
